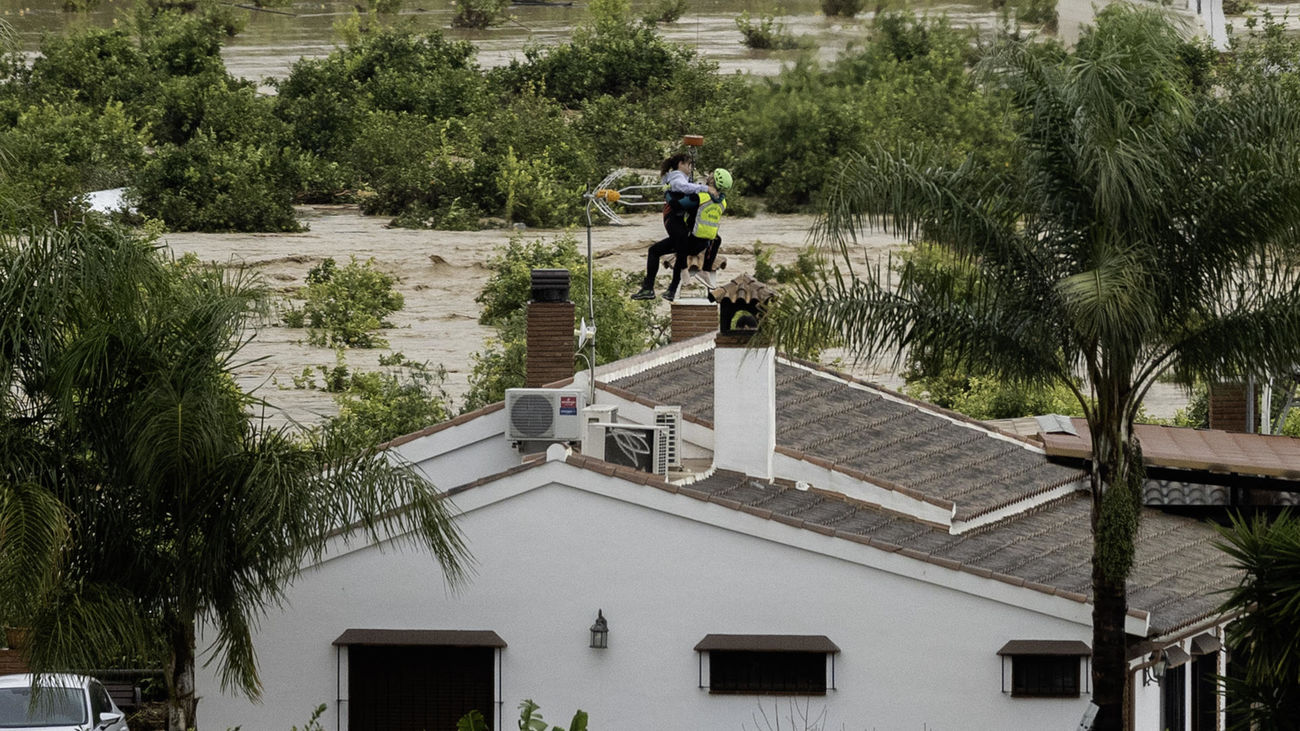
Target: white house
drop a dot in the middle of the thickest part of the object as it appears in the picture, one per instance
(826, 549)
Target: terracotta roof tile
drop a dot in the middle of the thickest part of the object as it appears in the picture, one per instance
(1196, 449)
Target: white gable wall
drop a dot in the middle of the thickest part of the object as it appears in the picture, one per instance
(452, 457)
(549, 555)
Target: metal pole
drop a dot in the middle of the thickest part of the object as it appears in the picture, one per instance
(591, 313)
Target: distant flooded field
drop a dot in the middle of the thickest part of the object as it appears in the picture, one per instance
(273, 39)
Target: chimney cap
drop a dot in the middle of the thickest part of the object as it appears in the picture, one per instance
(743, 289)
(741, 303)
(550, 285)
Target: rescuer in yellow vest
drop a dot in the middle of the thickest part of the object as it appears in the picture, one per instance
(701, 213)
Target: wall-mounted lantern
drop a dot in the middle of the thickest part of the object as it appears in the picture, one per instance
(600, 631)
(1154, 672)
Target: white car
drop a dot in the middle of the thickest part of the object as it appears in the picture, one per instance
(64, 703)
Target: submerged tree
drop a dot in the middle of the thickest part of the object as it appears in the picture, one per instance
(139, 497)
(1139, 233)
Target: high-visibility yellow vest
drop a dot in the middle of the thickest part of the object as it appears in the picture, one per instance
(708, 217)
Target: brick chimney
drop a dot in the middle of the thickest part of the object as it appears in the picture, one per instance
(550, 329)
(744, 381)
(692, 317)
(1230, 407)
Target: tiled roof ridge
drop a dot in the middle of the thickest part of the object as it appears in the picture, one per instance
(868, 505)
(864, 477)
(528, 464)
(631, 474)
(1020, 514)
(642, 362)
(434, 429)
(909, 400)
(637, 398)
(1209, 619)
(1024, 497)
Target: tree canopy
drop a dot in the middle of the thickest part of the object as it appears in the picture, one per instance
(139, 493)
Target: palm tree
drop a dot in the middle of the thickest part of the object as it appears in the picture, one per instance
(1138, 235)
(146, 497)
(1265, 638)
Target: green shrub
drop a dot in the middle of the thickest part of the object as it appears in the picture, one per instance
(1196, 415)
(630, 61)
(376, 406)
(451, 215)
(327, 101)
(665, 11)
(984, 397)
(210, 185)
(79, 6)
(500, 365)
(226, 109)
(1039, 12)
(393, 156)
(177, 43)
(804, 266)
(386, 69)
(55, 154)
(344, 307)
(91, 67)
(478, 13)
(622, 133)
(842, 8)
(387, 114)
(909, 84)
(765, 34)
(531, 162)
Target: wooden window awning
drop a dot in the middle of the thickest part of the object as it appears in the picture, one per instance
(1046, 647)
(421, 637)
(767, 643)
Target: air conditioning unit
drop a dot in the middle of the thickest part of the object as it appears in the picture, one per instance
(601, 413)
(670, 417)
(543, 414)
(640, 446)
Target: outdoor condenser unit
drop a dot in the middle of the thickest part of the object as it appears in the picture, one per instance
(640, 446)
(544, 414)
(670, 418)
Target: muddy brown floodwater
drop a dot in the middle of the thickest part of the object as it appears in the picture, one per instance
(439, 274)
(272, 40)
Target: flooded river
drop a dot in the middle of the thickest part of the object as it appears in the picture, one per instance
(441, 272)
(272, 41)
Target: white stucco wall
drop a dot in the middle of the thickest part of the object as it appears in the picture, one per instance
(744, 409)
(666, 572)
(455, 456)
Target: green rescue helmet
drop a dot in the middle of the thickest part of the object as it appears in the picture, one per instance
(722, 179)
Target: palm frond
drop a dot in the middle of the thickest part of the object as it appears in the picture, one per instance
(34, 533)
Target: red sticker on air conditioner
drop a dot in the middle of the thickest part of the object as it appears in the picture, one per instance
(568, 405)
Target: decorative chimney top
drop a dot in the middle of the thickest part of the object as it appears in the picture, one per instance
(550, 285)
(741, 303)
